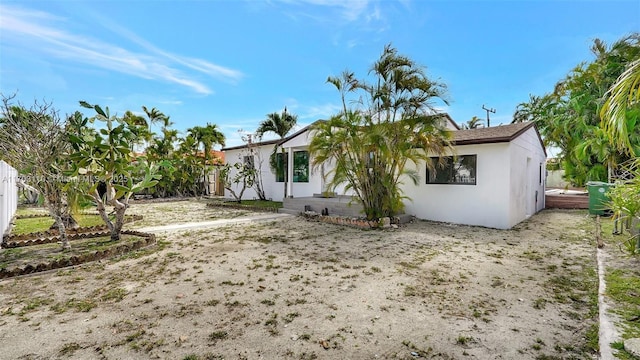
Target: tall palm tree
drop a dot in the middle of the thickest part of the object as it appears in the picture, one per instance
(155, 116)
(207, 136)
(372, 141)
(281, 125)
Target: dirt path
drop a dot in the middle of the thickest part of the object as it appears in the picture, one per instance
(215, 223)
(294, 289)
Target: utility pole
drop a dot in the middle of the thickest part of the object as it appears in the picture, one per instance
(488, 111)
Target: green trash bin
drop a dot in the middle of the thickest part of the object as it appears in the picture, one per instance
(598, 199)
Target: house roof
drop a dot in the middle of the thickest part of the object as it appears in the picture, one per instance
(272, 142)
(450, 120)
(496, 134)
(260, 143)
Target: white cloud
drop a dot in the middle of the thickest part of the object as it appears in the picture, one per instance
(349, 11)
(42, 32)
(316, 112)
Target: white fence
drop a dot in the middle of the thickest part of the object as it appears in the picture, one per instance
(8, 195)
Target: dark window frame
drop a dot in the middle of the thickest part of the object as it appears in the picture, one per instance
(281, 166)
(446, 176)
(301, 166)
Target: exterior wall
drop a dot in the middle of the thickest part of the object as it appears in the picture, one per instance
(483, 204)
(273, 190)
(8, 195)
(527, 176)
(300, 189)
(555, 179)
(509, 186)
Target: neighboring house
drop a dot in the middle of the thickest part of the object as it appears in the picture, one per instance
(497, 179)
(8, 195)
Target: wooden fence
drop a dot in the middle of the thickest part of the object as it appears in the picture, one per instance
(8, 195)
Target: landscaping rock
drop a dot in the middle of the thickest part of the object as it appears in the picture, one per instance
(385, 222)
(632, 346)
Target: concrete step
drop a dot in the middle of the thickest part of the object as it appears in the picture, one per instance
(336, 206)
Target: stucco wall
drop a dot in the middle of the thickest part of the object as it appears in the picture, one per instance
(484, 204)
(275, 190)
(272, 189)
(555, 179)
(527, 176)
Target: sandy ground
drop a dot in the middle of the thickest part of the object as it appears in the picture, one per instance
(296, 289)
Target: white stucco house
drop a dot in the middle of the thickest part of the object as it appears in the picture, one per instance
(496, 179)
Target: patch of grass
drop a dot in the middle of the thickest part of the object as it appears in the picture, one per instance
(80, 305)
(622, 353)
(42, 224)
(298, 301)
(36, 254)
(464, 340)
(69, 348)
(136, 335)
(272, 325)
(231, 283)
(115, 295)
(623, 286)
(217, 335)
(212, 302)
(539, 303)
(290, 317)
(34, 303)
(268, 302)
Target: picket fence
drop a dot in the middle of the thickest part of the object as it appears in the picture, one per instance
(8, 195)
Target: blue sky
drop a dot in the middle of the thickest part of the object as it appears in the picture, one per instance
(232, 62)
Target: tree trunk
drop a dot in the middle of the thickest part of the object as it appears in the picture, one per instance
(102, 210)
(62, 233)
(117, 228)
(69, 222)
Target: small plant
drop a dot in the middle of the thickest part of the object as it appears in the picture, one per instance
(272, 324)
(539, 303)
(290, 316)
(69, 348)
(217, 335)
(464, 340)
(268, 302)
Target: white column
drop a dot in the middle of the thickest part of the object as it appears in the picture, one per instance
(289, 172)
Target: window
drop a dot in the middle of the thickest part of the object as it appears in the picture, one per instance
(456, 170)
(301, 166)
(540, 174)
(281, 166)
(249, 162)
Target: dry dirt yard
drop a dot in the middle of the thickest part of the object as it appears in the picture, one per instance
(296, 289)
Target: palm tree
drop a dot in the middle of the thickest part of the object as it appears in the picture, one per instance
(624, 95)
(155, 116)
(207, 136)
(139, 128)
(474, 123)
(372, 141)
(281, 125)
